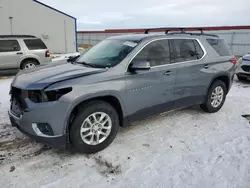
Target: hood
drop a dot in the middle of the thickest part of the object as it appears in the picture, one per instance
(246, 57)
(43, 76)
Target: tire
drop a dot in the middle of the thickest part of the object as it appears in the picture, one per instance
(241, 78)
(86, 112)
(207, 106)
(29, 64)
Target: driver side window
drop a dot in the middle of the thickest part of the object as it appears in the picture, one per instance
(156, 53)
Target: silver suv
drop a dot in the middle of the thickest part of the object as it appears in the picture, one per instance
(22, 52)
(120, 80)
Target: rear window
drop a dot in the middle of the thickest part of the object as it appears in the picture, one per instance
(34, 44)
(220, 46)
(9, 46)
(187, 50)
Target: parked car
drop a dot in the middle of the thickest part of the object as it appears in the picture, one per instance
(22, 52)
(120, 80)
(243, 70)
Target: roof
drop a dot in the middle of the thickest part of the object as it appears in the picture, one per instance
(17, 37)
(215, 28)
(134, 37)
(140, 37)
(54, 9)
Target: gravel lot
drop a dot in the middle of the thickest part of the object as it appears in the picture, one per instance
(182, 148)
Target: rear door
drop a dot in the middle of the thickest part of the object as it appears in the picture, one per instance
(10, 54)
(38, 48)
(191, 72)
(151, 91)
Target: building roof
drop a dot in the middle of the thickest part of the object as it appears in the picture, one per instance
(54, 9)
(171, 29)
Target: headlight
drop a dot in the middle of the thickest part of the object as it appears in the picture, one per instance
(54, 95)
(38, 96)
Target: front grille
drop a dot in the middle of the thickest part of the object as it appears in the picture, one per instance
(246, 68)
(18, 104)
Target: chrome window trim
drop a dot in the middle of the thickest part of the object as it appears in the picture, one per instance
(165, 38)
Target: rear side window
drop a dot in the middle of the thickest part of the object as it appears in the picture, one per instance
(186, 50)
(34, 44)
(220, 46)
(9, 46)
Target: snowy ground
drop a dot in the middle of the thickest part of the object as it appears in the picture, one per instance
(56, 57)
(183, 148)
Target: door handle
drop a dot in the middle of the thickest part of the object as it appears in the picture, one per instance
(167, 73)
(206, 66)
(19, 53)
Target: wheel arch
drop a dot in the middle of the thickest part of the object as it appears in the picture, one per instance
(223, 77)
(27, 59)
(113, 100)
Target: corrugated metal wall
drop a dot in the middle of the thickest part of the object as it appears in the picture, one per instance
(238, 40)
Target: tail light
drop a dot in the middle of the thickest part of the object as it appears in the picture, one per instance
(47, 54)
(233, 60)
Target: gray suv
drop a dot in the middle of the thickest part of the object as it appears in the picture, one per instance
(118, 81)
(22, 52)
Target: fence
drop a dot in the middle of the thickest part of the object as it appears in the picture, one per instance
(238, 40)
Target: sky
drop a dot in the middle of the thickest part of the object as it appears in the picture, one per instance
(126, 14)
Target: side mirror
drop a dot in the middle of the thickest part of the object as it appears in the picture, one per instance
(72, 59)
(140, 65)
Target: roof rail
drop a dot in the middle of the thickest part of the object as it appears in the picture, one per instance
(182, 31)
(161, 28)
(17, 36)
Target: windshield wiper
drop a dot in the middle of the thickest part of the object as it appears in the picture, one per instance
(85, 64)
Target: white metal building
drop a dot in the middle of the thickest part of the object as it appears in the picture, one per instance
(30, 17)
(238, 37)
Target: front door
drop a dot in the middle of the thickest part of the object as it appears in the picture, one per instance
(10, 53)
(151, 91)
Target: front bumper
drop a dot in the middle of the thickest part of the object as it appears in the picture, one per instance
(241, 74)
(54, 114)
(243, 69)
(55, 142)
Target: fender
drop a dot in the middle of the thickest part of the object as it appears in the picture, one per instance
(93, 96)
(218, 75)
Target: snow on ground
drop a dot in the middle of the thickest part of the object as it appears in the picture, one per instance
(182, 148)
(57, 57)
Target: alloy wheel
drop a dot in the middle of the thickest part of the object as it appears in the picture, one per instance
(96, 128)
(217, 96)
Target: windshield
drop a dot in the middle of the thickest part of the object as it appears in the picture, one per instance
(107, 53)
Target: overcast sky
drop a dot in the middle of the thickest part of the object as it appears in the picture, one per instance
(116, 14)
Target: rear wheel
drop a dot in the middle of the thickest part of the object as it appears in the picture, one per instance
(28, 64)
(215, 97)
(94, 127)
(241, 78)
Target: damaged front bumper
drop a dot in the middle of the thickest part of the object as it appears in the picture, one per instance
(43, 122)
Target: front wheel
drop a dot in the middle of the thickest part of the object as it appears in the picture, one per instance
(94, 127)
(215, 97)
